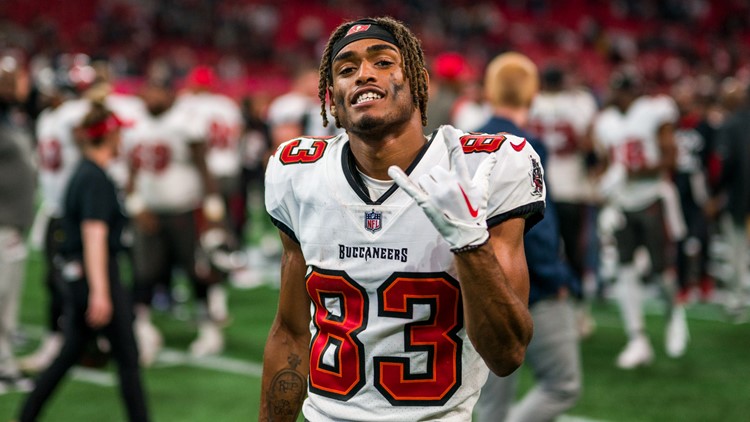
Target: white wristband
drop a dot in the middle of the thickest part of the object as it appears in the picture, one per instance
(213, 208)
(134, 204)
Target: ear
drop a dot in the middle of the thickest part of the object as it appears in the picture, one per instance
(426, 78)
(331, 101)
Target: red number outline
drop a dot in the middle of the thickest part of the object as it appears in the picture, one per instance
(287, 155)
(438, 337)
(335, 381)
(563, 129)
(50, 156)
(481, 142)
(397, 296)
(151, 157)
(222, 136)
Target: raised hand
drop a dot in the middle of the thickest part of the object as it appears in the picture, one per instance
(455, 203)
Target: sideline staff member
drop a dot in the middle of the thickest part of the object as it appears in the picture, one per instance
(94, 298)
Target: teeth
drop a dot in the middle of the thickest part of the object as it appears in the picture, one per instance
(368, 96)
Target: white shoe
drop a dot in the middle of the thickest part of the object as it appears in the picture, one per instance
(217, 304)
(16, 383)
(677, 333)
(210, 340)
(585, 323)
(149, 341)
(245, 278)
(638, 352)
(24, 385)
(48, 350)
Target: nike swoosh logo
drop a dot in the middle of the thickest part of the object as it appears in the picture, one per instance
(518, 147)
(473, 211)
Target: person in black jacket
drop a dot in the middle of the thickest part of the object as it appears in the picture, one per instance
(95, 301)
(733, 150)
(553, 354)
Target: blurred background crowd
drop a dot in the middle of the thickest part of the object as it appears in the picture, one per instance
(256, 45)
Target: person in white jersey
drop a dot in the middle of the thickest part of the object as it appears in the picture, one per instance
(636, 132)
(561, 116)
(406, 249)
(57, 157)
(169, 191)
(218, 120)
(297, 112)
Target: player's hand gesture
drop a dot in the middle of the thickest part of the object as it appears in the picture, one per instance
(455, 203)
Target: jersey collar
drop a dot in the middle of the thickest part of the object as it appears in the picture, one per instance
(355, 180)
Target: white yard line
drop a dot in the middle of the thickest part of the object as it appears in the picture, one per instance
(172, 357)
(168, 358)
(93, 376)
(573, 418)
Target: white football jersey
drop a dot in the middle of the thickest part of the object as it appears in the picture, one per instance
(388, 336)
(561, 119)
(218, 120)
(130, 109)
(296, 108)
(57, 152)
(630, 139)
(159, 148)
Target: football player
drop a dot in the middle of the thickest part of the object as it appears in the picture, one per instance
(217, 119)
(561, 116)
(169, 183)
(511, 83)
(57, 157)
(297, 112)
(636, 132)
(693, 140)
(386, 237)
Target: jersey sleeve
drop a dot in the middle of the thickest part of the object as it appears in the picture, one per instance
(665, 110)
(517, 186)
(586, 109)
(195, 129)
(286, 109)
(279, 196)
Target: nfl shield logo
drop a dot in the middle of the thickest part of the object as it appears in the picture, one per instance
(372, 220)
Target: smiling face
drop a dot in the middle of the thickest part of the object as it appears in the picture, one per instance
(370, 92)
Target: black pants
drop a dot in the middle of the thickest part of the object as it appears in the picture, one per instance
(691, 265)
(52, 240)
(78, 334)
(155, 254)
(572, 217)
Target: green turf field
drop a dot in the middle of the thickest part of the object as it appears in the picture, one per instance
(710, 383)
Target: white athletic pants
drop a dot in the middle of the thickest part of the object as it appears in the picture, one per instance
(12, 265)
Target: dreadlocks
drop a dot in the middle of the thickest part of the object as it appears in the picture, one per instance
(413, 64)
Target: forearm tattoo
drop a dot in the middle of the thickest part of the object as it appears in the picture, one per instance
(286, 392)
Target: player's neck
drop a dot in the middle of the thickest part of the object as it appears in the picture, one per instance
(101, 155)
(518, 115)
(400, 149)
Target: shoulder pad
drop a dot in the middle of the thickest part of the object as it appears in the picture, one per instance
(303, 150)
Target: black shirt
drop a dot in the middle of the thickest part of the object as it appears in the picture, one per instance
(91, 195)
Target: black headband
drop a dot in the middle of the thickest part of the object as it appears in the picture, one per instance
(362, 29)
